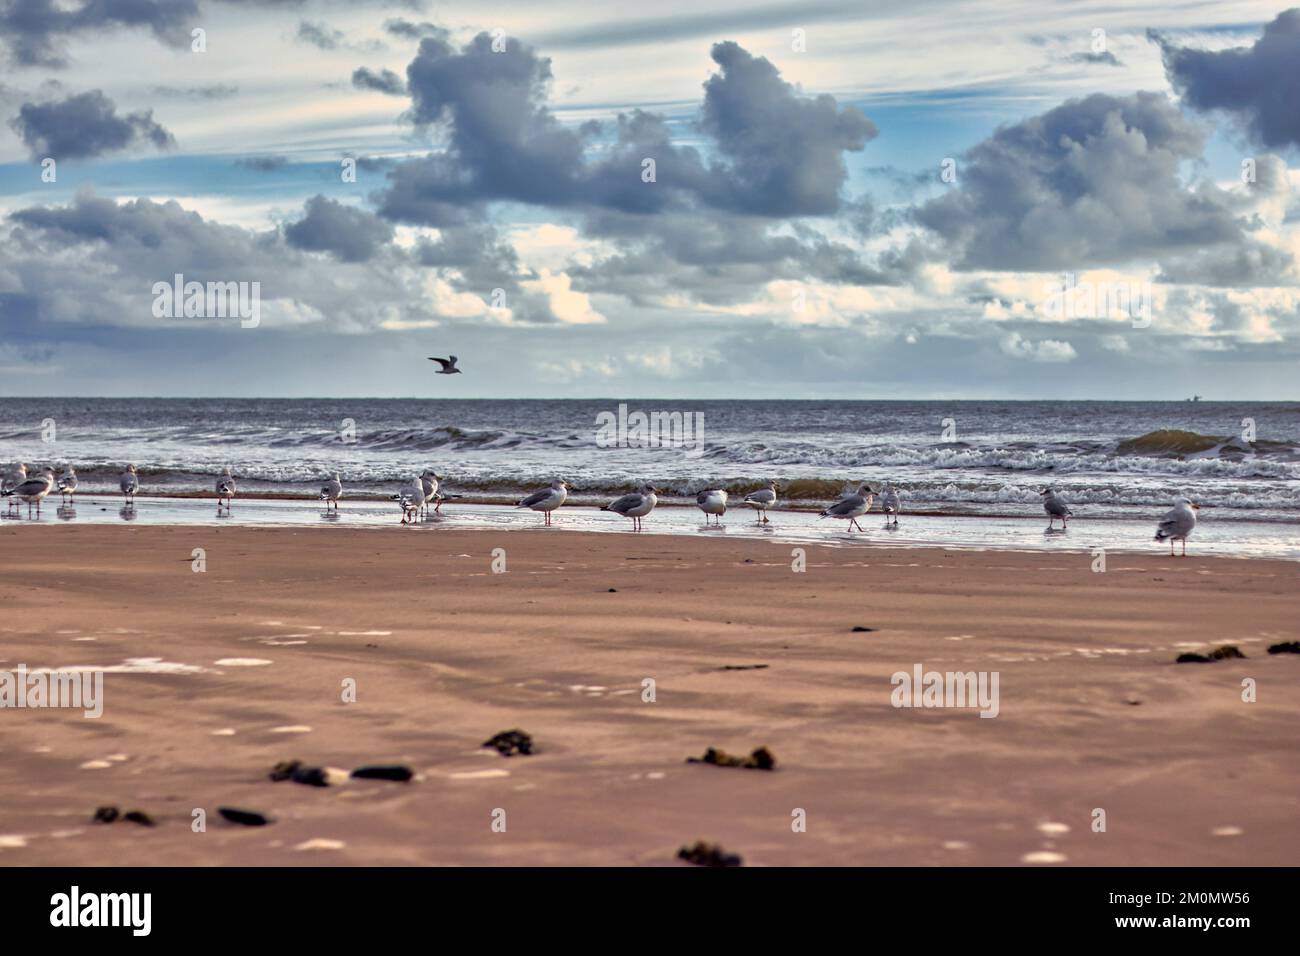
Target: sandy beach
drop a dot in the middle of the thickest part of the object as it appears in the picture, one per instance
(444, 653)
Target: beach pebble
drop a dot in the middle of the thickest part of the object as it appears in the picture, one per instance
(1287, 647)
(760, 759)
(956, 845)
(398, 773)
(224, 732)
(479, 774)
(242, 662)
(320, 843)
(247, 818)
(1043, 856)
(292, 729)
(862, 630)
(1227, 831)
(708, 854)
(1053, 829)
(511, 742)
(96, 765)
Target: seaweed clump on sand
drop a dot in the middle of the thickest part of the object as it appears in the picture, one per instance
(1286, 647)
(295, 771)
(113, 814)
(1226, 652)
(511, 742)
(708, 854)
(760, 759)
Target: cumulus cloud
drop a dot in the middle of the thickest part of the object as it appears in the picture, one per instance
(382, 81)
(1095, 181)
(84, 126)
(1045, 350)
(349, 233)
(1259, 84)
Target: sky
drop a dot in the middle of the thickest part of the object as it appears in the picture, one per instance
(816, 200)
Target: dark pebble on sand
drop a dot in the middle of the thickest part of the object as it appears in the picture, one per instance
(760, 759)
(295, 771)
(1226, 652)
(708, 854)
(1288, 647)
(613, 590)
(862, 630)
(744, 667)
(140, 817)
(284, 770)
(106, 814)
(247, 818)
(510, 742)
(400, 774)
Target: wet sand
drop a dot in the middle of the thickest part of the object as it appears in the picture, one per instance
(1093, 713)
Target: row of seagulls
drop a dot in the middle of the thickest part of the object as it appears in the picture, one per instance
(547, 500)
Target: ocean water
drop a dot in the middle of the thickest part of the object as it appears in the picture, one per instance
(1111, 460)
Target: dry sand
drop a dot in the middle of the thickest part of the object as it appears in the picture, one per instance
(1093, 711)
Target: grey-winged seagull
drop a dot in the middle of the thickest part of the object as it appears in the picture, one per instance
(712, 502)
(1055, 506)
(891, 503)
(129, 483)
(430, 480)
(546, 500)
(636, 505)
(1178, 523)
(225, 488)
(851, 507)
(12, 479)
(448, 365)
(34, 489)
(332, 491)
(410, 497)
(68, 484)
(761, 500)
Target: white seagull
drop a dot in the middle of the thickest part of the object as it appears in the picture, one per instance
(546, 500)
(761, 500)
(891, 503)
(851, 507)
(429, 479)
(332, 491)
(636, 505)
(712, 502)
(129, 484)
(225, 488)
(68, 484)
(448, 365)
(12, 479)
(410, 497)
(1178, 523)
(1055, 507)
(34, 489)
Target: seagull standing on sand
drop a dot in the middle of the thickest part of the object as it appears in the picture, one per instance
(546, 500)
(713, 502)
(448, 365)
(761, 500)
(12, 479)
(851, 507)
(34, 489)
(1178, 524)
(225, 488)
(129, 484)
(332, 491)
(891, 503)
(1055, 507)
(635, 506)
(68, 484)
(410, 497)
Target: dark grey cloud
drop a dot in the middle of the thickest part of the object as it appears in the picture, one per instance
(411, 30)
(383, 81)
(1259, 84)
(346, 232)
(1095, 181)
(777, 153)
(84, 126)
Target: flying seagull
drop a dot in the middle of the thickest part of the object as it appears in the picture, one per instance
(761, 500)
(1055, 507)
(851, 507)
(635, 506)
(1178, 524)
(546, 500)
(448, 365)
